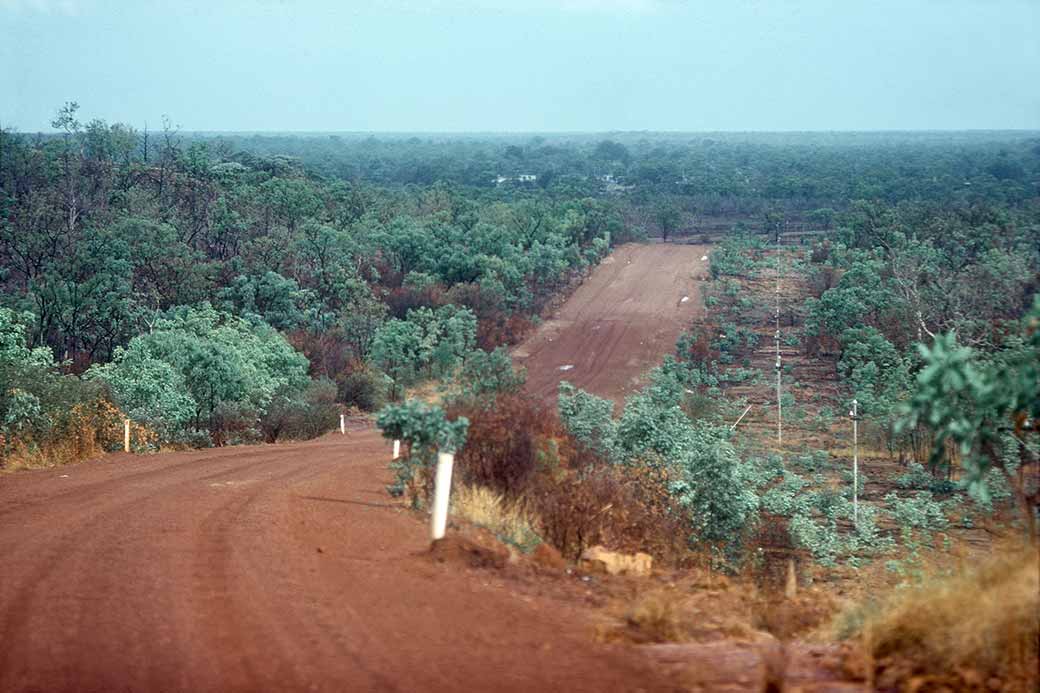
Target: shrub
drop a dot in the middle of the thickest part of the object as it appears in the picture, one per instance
(425, 429)
(301, 415)
(487, 373)
(505, 442)
(362, 388)
(920, 511)
(628, 509)
(48, 418)
(214, 369)
(588, 419)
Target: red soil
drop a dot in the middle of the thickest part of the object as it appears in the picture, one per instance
(279, 567)
(619, 324)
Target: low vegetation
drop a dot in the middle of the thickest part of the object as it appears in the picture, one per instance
(975, 629)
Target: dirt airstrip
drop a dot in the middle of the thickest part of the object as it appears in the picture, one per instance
(619, 323)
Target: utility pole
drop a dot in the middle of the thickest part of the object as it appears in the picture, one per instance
(779, 405)
(855, 462)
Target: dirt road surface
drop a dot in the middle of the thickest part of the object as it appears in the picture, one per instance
(619, 323)
(264, 568)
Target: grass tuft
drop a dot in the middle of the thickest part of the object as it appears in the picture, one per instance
(979, 625)
(485, 508)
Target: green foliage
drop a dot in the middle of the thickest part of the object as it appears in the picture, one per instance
(859, 296)
(732, 257)
(150, 390)
(397, 351)
(713, 486)
(874, 370)
(588, 419)
(970, 401)
(428, 342)
(426, 429)
(917, 478)
(422, 425)
(38, 404)
(301, 414)
(919, 511)
(486, 374)
(205, 367)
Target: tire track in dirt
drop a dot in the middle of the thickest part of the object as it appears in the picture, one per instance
(205, 574)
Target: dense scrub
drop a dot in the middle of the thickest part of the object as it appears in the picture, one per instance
(219, 297)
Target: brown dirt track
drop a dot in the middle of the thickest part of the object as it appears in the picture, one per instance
(264, 568)
(619, 323)
(286, 567)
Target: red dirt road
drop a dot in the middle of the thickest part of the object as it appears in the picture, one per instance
(619, 324)
(201, 571)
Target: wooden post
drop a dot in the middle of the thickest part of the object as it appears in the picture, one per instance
(791, 588)
(441, 493)
(126, 435)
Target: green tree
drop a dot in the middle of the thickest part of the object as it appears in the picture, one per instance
(397, 350)
(589, 419)
(229, 367)
(974, 402)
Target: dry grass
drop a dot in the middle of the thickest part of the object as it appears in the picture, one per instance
(485, 508)
(699, 608)
(976, 628)
(91, 430)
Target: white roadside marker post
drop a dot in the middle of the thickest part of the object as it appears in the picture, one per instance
(397, 449)
(343, 424)
(441, 493)
(126, 435)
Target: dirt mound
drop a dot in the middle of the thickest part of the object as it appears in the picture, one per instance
(548, 559)
(476, 551)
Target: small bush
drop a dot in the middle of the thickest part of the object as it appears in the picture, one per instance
(505, 442)
(362, 388)
(627, 509)
(302, 415)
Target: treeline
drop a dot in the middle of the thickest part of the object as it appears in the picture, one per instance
(710, 174)
(176, 276)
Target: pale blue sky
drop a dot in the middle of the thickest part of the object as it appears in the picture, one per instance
(530, 65)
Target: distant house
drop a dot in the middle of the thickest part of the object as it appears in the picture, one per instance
(522, 178)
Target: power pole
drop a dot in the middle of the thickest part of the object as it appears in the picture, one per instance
(779, 405)
(855, 462)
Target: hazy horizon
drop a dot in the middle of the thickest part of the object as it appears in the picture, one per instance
(489, 67)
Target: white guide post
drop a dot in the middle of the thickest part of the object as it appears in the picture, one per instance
(397, 449)
(343, 424)
(126, 435)
(441, 493)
